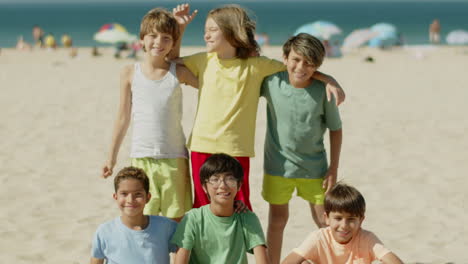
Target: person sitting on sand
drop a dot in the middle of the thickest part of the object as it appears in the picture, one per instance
(50, 42)
(133, 237)
(22, 45)
(66, 40)
(343, 241)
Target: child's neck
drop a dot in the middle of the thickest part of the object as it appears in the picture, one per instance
(135, 222)
(155, 62)
(221, 211)
(227, 53)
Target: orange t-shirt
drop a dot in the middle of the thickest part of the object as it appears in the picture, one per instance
(321, 247)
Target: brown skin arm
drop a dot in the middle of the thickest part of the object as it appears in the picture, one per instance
(391, 258)
(182, 256)
(96, 261)
(260, 254)
(293, 258)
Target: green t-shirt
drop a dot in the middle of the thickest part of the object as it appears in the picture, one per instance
(297, 118)
(213, 239)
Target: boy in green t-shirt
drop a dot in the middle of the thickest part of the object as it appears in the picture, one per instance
(214, 233)
(298, 115)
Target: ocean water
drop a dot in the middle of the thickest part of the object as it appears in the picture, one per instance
(277, 19)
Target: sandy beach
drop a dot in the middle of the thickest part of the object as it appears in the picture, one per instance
(404, 149)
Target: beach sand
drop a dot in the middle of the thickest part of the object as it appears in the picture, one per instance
(405, 149)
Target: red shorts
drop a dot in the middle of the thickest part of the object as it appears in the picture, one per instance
(201, 198)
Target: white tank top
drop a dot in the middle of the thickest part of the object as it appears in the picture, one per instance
(157, 116)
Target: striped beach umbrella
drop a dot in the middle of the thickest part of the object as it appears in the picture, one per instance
(113, 33)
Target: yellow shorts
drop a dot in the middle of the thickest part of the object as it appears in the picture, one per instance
(279, 190)
(170, 186)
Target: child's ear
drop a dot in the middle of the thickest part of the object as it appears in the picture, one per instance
(240, 185)
(327, 220)
(206, 191)
(148, 197)
(285, 59)
(114, 196)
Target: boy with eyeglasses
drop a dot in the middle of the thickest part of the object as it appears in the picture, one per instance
(214, 233)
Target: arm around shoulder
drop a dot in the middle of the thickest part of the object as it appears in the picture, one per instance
(332, 87)
(185, 76)
(391, 258)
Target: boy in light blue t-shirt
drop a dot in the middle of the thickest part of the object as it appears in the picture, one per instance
(133, 237)
(298, 114)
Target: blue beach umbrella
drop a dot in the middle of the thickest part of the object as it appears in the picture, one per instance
(387, 35)
(320, 29)
(457, 37)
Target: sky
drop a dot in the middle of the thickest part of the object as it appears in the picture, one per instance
(179, 1)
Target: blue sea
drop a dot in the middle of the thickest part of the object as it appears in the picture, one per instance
(277, 19)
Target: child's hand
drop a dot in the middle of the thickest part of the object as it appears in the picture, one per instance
(330, 179)
(335, 89)
(107, 170)
(182, 15)
(240, 207)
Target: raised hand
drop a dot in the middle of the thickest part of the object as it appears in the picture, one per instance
(182, 15)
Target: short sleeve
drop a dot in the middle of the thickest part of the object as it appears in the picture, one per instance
(253, 232)
(184, 235)
(97, 246)
(194, 62)
(268, 66)
(332, 115)
(376, 246)
(308, 248)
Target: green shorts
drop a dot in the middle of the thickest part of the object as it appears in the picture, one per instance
(170, 186)
(279, 190)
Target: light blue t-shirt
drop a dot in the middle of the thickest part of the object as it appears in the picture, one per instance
(121, 245)
(297, 119)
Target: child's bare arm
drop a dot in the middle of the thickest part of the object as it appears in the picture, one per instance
(96, 261)
(185, 76)
(293, 258)
(123, 119)
(182, 256)
(336, 138)
(183, 17)
(260, 254)
(391, 258)
(332, 87)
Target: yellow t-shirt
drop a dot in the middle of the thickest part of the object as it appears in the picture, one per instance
(321, 247)
(227, 102)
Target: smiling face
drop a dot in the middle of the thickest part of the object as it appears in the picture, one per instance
(131, 197)
(222, 188)
(300, 70)
(158, 44)
(214, 38)
(344, 226)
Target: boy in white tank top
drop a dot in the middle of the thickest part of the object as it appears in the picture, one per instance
(150, 94)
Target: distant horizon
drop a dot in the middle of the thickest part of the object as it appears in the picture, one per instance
(222, 1)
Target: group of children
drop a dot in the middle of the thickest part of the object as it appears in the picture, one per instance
(230, 77)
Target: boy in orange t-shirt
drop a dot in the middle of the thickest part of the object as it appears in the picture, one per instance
(343, 241)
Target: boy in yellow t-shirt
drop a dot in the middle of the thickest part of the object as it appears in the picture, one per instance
(343, 241)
